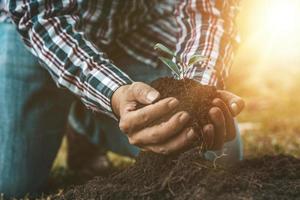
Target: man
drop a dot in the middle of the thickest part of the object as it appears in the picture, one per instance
(77, 42)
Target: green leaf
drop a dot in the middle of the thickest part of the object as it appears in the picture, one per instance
(197, 58)
(163, 49)
(173, 66)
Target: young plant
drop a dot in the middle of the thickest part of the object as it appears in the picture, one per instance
(173, 61)
(176, 65)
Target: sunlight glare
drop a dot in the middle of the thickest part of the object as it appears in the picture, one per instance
(272, 30)
(281, 19)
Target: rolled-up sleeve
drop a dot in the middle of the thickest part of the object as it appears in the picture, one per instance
(207, 27)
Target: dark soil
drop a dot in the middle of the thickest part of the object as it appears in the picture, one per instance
(187, 175)
(190, 177)
(194, 98)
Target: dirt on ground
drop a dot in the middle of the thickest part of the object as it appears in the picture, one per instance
(189, 177)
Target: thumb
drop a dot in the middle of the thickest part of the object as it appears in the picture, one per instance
(235, 103)
(144, 93)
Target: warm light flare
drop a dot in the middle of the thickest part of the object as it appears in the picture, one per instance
(280, 19)
(272, 30)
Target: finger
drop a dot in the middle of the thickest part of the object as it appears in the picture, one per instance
(135, 120)
(144, 93)
(177, 144)
(208, 135)
(229, 122)
(234, 102)
(161, 132)
(218, 121)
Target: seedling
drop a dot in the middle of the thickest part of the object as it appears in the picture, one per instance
(173, 61)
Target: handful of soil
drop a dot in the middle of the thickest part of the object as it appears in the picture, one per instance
(194, 98)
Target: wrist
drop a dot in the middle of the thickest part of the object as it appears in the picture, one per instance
(116, 99)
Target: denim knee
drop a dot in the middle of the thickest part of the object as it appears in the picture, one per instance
(33, 117)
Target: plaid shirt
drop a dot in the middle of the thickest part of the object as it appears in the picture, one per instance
(4, 16)
(71, 39)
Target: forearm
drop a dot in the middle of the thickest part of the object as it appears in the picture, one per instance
(208, 29)
(50, 30)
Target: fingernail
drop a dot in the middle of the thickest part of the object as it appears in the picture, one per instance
(152, 96)
(216, 100)
(190, 134)
(207, 128)
(183, 117)
(234, 108)
(173, 103)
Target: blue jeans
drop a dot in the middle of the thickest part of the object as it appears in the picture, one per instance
(34, 114)
(32, 118)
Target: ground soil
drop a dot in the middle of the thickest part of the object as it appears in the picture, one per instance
(187, 175)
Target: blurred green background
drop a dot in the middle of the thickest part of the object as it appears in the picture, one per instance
(266, 73)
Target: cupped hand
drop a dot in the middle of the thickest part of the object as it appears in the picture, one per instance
(222, 129)
(139, 124)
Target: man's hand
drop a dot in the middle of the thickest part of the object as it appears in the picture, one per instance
(222, 116)
(163, 138)
(170, 136)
